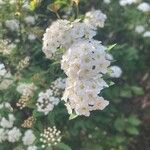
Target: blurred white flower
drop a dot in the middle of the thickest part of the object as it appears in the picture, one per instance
(95, 18)
(32, 147)
(6, 82)
(14, 134)
(107, 1)
(144, 7)
(26, 89)
(13, 24)
(139, 29)
(146, 34)
(46, 101)
(7, 123)
(116, 72)
(3, 71)
(58, 86)
(31, 37)
(127, 2)
(2, 2)
(28, 138)
(3, 135)
(30, 20)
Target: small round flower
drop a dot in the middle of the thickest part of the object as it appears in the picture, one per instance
(7, 123)
(32, 147)
(13, 25)
(144, 7)
(46, 101)
(30, 20)
(146, 34)
(28, 138)
(139, 29)
(51, 136)
(14, 135)
(95, 18)
(116, 72)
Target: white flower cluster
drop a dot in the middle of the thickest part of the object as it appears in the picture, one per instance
(46, 101)
(7, 123)
(14, 135)
(33, 147)
(107, 1)
(146, 34)
(141, 29)
(84, 61)
(70, 32)
(67, 33)
(26, 89)
(116, 72)
(7, 131)
(95, 18)
(28, 138)
(5, 47)
(58, 86)
(144, 7)
(5, 77)
(50, 137)
(6, 105)
(127, 2)
(30, 20)
(13, 24)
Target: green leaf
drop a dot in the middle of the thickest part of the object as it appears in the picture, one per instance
(133, 120)
(111, 47)
(63, 146)
(120, 124)
(73, 116)
(126, 94)
(132, 130)
(137, 90)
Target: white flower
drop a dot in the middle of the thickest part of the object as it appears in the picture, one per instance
(13, 25)
(30, 20)
(82, 95)
(109, 57)
(67, 34)
(54, 36)
(146, 34)
(7, 123)
(14, 135)
(85, 59)
(95, 18)
(116, 71)
(127, 2)
(3, 135)
(31, 37)
(144, 7)
(6, 82)
(107, 1)
(2, 2)
(5, 47)
(2, 70)
(32, 147)
(139, 29)
(28, 138)
(26, 88)
(46, 101)
(12, 1)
